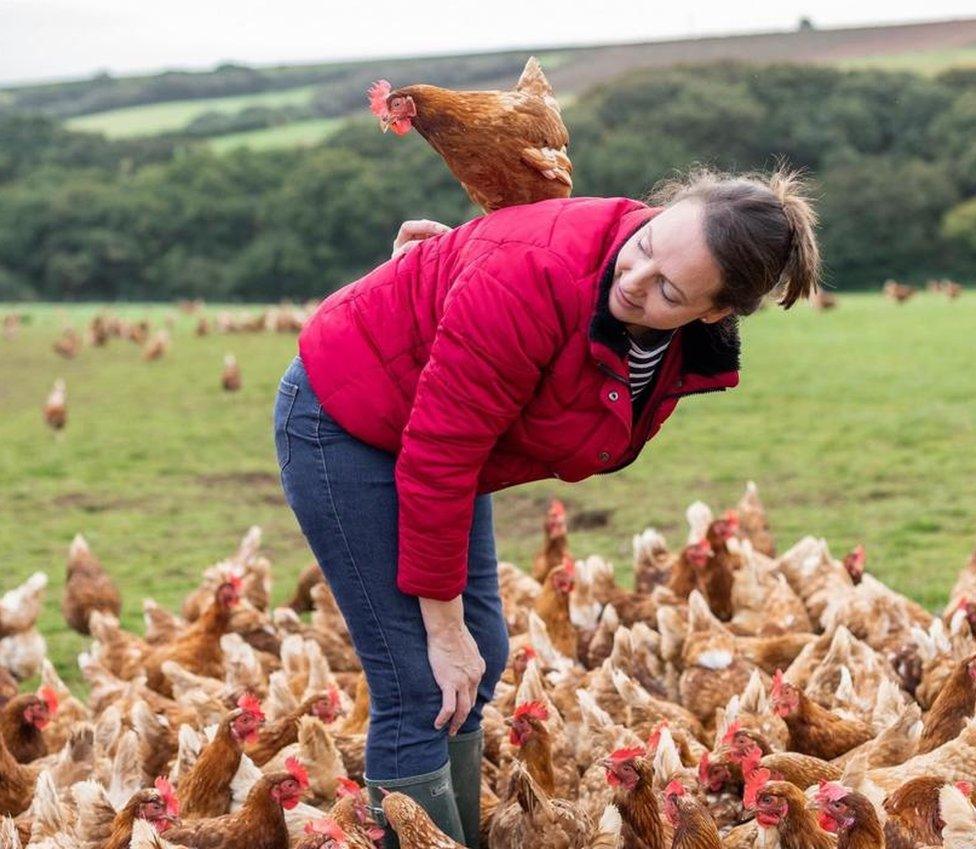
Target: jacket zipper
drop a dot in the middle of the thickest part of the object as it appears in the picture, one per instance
(607, 370)
(630, 459)
(696, 392)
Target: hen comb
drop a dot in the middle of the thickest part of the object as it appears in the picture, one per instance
(165, 789)
(334, 697)
(536, 710)
(755, 782)
(733, 729)
(557, 508)
(528, 652)
(750, 761)
(703, 547)
(777, 684)
(703, 766)
(655, 738)
(963, 603)
(249, 704)
(378, 93)
(675, 788)
(569, 565)
(347, 787)
(233, 580)
(732, 519)
(965, 787)
(50, 698)
(298, 772)
(328, 827)
(859, 555)
(831, 791)
(621, 755)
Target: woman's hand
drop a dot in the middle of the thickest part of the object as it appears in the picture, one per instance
(413, 233)
(454, 659)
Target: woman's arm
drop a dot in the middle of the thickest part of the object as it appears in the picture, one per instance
(504, 319)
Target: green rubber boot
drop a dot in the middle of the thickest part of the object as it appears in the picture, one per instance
(465, 752)
(433, 791)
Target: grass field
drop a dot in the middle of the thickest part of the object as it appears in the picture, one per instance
(297, 134)
(858, 425)
(927, 62)
(155, 118)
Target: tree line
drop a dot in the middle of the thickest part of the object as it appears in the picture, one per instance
(892, 157)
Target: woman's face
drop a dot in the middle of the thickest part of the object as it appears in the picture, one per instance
(665, 275)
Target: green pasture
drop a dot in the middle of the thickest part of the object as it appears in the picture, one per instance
(295, 134)
(858, 425)
(927, 62)
(151, 118)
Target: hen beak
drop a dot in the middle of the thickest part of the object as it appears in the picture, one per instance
(385, 122)
(813, 805)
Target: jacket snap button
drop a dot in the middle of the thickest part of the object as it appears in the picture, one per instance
(680, 383)
(613, 396)
(604, 456)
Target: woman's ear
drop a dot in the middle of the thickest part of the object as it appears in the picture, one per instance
(715, 314)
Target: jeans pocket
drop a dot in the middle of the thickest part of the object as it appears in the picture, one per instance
(284, 403)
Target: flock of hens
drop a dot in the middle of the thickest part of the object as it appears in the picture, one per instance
(733, 698)
(155, 344)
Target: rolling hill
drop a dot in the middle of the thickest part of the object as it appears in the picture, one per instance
(287, 105)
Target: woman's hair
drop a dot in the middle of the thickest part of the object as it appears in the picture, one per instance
(759, 229)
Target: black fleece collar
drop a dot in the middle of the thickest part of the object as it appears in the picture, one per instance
(706, 348)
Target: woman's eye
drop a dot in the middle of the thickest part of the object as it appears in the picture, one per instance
(664, 294)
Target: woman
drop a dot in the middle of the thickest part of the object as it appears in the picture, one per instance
(543, 340)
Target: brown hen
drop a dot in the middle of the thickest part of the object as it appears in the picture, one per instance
(505, 147)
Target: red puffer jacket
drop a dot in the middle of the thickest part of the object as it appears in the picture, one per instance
(487, 357)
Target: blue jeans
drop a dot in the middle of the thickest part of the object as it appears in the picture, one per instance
(343, 494)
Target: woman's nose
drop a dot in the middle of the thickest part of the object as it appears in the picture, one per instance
(637, 284)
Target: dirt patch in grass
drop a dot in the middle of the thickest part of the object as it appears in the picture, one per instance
(524, 513)
(219, 479)
(591, 518)
(91, 502)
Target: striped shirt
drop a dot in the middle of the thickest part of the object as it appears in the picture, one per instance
(643, 359)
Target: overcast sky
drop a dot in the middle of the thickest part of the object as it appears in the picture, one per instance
(57, 39)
